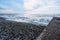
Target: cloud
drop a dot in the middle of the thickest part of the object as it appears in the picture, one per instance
(1, 8)
(7, 11)
(47, 7)
(15, 5)
(32, 4)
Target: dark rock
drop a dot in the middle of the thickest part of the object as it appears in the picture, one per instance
(52, 31)
(11, 30)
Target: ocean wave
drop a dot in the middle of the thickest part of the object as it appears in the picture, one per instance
(42, 20)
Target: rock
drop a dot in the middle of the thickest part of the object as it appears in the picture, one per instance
(52, 31)
(11, 30)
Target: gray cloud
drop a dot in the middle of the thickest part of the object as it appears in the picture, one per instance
(2, 8)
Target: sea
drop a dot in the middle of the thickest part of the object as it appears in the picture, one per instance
(36, 19)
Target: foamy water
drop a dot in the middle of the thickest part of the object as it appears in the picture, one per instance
(39, 20)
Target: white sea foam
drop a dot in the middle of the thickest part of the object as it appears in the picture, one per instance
(41, 19)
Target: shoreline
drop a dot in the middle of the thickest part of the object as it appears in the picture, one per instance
(19, 30)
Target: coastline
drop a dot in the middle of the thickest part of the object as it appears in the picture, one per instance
(19, 30)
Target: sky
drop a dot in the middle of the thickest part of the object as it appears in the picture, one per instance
(29, 7)
(11, 6)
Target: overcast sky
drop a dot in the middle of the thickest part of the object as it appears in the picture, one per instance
(30, 6)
